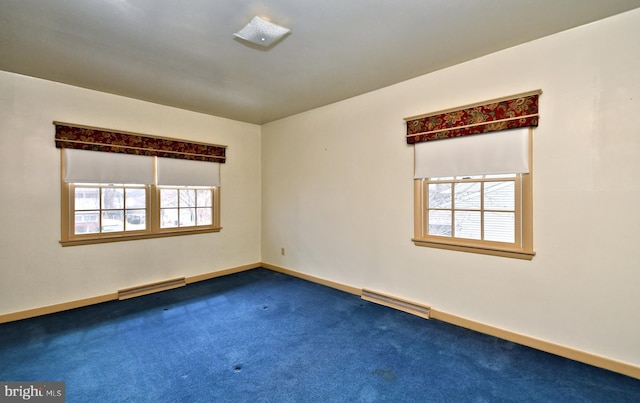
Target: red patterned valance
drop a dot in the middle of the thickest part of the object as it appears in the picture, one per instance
(95, 139)
(500, 114)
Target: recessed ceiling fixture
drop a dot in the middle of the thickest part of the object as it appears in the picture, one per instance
(262, 32)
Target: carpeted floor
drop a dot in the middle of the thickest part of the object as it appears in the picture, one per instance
(261, 336)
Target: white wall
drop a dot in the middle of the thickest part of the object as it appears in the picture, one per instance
(337, 193)
(36, 271)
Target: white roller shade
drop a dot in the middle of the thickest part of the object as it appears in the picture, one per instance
(83, 166)
(177, 172)
(493, 153)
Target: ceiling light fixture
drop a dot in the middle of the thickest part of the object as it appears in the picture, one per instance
(262, 32)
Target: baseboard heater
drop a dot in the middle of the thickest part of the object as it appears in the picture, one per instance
(151, 288)
(396, 303)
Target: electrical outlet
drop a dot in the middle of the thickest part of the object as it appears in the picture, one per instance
(282, 251)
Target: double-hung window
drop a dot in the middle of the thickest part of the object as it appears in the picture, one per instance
(135, 186)
(473, 187)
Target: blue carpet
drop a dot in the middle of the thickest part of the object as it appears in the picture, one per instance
(261, 336)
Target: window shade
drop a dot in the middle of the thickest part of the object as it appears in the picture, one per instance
(174, 172)
(500, 114)
(82, 166)
(501, 152)
(96, 139)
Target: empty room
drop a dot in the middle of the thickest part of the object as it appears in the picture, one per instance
(296, 201)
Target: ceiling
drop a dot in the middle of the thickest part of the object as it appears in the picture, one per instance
(183, 53)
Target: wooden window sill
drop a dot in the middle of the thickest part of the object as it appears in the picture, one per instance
(133, 237)
(484, 250)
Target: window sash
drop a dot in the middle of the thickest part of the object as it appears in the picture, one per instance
(102, 214)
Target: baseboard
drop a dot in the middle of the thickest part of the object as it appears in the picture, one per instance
(220, 273)
(539, 344)
(65, 306)
(313, 279)
(121, 294)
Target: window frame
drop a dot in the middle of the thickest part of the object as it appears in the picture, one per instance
(68, 236)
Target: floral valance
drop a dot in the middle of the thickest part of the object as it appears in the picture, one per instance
(96, 139)
(488, 116)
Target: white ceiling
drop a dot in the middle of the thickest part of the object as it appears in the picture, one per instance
(182, 53)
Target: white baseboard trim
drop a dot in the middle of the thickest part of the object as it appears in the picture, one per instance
(313, 279)
(542, 345)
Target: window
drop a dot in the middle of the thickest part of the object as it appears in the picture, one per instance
(119, 186)
(473, 177)
(487, 214)
(101, 212)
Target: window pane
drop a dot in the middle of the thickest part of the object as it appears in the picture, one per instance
(499, 227)
(87, 198)
(467, 224)
(499, 195)
(87, 222)
(112, 198)
(187, 198)
(136, 198)
(204, 216)
(467, 195)
(113, 221)
(168, 198)
(169, 218)
(203, 197)
(136, 220)
(440, 195)
(187, 217)
(439, 223)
